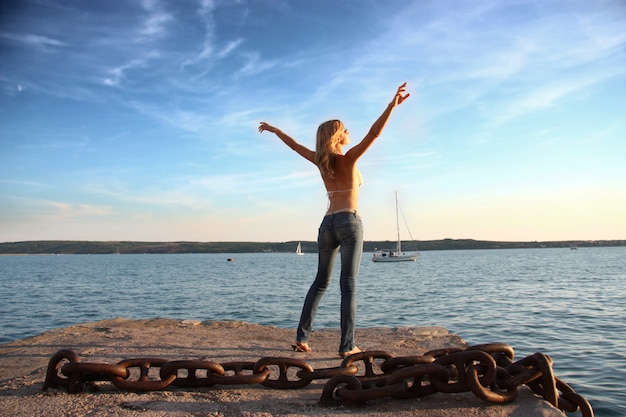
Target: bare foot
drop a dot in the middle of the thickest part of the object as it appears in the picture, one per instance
(352, 352)
(301, 347)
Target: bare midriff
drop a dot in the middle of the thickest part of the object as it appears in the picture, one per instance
(343, 201)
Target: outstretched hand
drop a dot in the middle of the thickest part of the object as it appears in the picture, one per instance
(400, 96)
(264, 126)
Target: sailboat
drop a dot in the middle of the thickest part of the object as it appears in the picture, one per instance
(299, 249)
(394, 255)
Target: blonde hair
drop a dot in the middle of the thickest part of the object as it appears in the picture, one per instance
(328, 134)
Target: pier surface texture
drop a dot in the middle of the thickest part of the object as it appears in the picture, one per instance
(23, 365)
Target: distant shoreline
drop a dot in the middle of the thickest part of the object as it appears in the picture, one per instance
(134, 247)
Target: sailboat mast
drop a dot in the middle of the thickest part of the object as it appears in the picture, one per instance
(399, 247)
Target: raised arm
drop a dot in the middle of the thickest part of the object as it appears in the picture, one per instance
(358, 150)
(302, 150)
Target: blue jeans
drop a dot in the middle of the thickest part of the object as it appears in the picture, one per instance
(340, 232)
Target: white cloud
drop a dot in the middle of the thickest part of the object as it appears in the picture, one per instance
(230, 46)
(34, 40)
(543, 96)
(190, 121)
(153, 197)
(206, 7)
(63, 210)
(154, 24)
(254, 65)
(117, 74)
(471, 70)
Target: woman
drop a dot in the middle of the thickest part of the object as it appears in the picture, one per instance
(341, 229)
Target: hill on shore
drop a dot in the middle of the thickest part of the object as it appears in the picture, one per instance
(104, 247)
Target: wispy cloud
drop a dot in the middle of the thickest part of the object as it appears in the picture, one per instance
(187, 120)
(536, 99)
(51, 210)
(33, 40)
(518, 63)
(117, 73)
(162, 197)
(205, 13)
(209, 49)
(254, 65)
(253, 183)
(186, 83)
(230, 46)
(201, 192)
(154, 25)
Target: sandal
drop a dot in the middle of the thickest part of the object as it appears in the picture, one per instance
(352, 352)
(301, 347)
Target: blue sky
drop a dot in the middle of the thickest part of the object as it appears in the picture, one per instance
(136, 120)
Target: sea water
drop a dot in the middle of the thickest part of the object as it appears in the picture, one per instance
(569, 304)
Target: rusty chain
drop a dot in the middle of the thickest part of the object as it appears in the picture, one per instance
(487, 370)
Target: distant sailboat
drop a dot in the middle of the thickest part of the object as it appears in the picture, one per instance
(390, 255)
(299, 249)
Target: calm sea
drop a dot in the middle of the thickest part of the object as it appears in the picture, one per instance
(569, 304)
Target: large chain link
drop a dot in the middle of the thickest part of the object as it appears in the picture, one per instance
(486, 370)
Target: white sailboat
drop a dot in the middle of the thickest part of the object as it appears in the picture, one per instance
(394, 255)
(299, 249)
